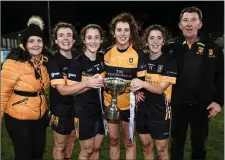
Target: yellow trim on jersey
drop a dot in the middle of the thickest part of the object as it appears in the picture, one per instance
(171, 80)
(141, 73)
(128, 59)
(84, 78)
(70, 83)
(57, 81)
(153, 78)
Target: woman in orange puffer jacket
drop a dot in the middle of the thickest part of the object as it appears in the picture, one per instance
(24, 79)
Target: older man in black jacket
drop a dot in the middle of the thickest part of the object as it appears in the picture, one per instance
(199, 91)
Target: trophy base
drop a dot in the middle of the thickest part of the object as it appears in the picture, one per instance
(112, 115)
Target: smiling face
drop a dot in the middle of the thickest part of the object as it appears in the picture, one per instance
(122, 33)
(190, 24)
(65, 39)
(34, 45)
(155, 41)
(92, 40)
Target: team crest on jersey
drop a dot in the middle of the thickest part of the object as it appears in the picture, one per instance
(200, 50)
(160, 68)
(131, 60)
(211, 53)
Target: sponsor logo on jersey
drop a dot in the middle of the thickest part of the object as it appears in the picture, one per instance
(71, 75)
(55, 74)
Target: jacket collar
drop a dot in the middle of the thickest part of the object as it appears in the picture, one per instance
(203, 38)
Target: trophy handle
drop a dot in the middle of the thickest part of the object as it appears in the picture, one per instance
(127, 88)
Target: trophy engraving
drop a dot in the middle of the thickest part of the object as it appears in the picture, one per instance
(115, 86)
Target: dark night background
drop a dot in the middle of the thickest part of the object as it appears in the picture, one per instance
(14, 15)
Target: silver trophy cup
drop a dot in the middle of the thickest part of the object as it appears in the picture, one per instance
(115, 86)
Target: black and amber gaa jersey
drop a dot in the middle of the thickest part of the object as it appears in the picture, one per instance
(163, 69)
(127, 64)
(87, 103)
(58, 68)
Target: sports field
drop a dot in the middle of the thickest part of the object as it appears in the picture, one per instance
(215, 144)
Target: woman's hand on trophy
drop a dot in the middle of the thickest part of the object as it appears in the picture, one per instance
(136, 84)
(94, 82)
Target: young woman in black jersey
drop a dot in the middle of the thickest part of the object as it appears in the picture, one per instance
(61, 106)
(88, 105)
(123, 60)
(153, 114)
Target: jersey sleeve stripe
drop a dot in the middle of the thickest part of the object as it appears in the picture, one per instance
(171, 80)
(57, 81)
(141, 73)
(84, 78)
(70, 83)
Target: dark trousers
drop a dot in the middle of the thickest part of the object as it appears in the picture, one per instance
(197, 117)
(28, 137)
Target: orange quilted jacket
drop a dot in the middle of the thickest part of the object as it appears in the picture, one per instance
(20, 76)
